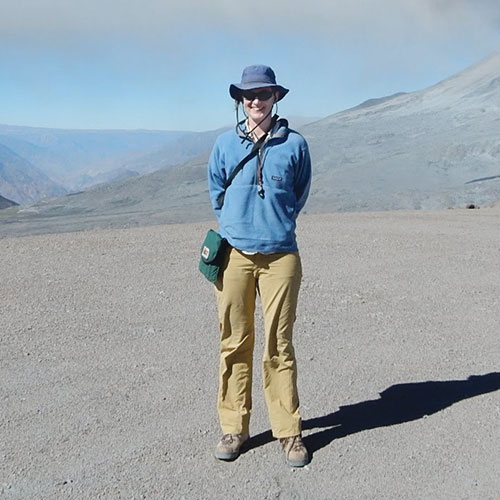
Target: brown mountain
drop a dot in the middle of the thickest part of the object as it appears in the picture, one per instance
(21, 182)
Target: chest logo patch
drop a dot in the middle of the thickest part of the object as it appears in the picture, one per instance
(276, 178)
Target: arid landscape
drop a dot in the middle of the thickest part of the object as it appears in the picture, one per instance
(431, 149)
(109, 343)
(109, 364)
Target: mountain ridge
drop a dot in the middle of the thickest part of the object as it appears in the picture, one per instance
(417, 150)
(78, 159)
(6, 203)
(22, 182)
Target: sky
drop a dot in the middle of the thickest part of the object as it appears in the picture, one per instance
(167, 65)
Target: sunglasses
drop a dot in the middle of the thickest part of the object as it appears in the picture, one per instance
(262, 95)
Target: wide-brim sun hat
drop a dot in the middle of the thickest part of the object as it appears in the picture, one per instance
(256, 77)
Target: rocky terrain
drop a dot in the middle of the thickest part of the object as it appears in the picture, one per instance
(108, 363)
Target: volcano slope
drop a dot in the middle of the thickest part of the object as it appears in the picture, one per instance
(435, 148)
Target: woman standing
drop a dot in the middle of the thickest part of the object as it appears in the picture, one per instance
(256, 215)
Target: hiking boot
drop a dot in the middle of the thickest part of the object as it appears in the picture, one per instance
(228, 448)
(295, 451)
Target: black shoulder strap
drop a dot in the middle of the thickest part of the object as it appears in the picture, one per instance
(255, 149)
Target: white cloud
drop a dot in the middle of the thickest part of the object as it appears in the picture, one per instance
(151, 21)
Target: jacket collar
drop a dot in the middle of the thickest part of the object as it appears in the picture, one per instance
(280, 129)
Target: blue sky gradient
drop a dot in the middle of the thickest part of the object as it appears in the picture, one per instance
(160, 65)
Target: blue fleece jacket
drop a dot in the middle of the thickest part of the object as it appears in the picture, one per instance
(248, 220)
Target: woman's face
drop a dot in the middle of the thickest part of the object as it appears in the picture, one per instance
(258, 103)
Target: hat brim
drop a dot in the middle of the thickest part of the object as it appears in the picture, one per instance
(236, 88)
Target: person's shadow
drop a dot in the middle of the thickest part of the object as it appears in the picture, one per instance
(397, 404)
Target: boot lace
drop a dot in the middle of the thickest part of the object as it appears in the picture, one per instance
(227, 439)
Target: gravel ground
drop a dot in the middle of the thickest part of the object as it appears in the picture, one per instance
(109, 363)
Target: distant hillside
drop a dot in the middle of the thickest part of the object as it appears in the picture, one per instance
(436, 148)
(179, 151)
(432, 149)
(21, 182)
(181, 189)
(419, 150)
(78, 159)
(5, 203)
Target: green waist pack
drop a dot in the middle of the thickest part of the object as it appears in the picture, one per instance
(212, 251)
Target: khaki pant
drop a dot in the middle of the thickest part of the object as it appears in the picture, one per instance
(276, 277)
